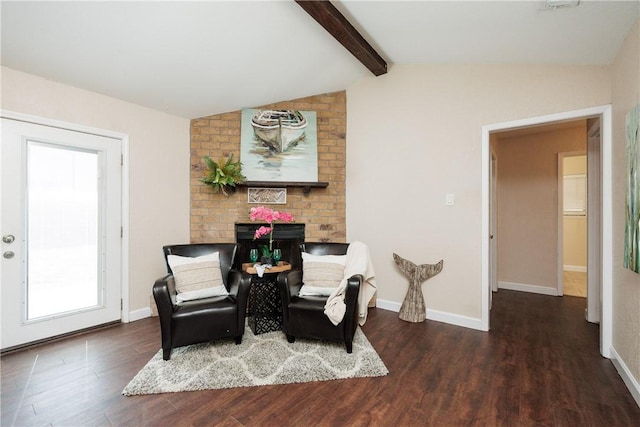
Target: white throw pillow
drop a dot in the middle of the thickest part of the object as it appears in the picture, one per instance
(315, 291)
(321, 273)
(218, 291)
(198, 277)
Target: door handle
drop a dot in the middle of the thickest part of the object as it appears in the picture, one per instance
(8, 254)
(490, 236)
(8, 238)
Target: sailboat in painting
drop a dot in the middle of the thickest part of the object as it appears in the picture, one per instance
(280, 130)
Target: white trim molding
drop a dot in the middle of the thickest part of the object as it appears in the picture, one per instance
(454, 319)
(141, 313)
(388, 305)
(435, 315)
(622, 368)
(523, 287)
(575, 268)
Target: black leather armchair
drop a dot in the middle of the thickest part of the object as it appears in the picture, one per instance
(304, 316)
(205, 319)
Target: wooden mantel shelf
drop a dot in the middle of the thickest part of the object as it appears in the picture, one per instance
(306, 186)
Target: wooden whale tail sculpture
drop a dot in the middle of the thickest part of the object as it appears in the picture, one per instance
(413, 308)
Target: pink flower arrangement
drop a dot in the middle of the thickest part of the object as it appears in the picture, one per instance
(269, 216)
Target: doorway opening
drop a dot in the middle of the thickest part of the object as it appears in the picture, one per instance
(64, 209)
(600, 261)
(572, 223)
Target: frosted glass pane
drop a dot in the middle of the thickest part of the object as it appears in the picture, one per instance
(63, 228)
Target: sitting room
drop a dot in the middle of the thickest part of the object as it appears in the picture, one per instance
(424, 185)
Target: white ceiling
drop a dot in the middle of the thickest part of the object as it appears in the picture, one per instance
(194, 59)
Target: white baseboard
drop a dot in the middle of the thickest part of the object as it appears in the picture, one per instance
(534, 289)
(631, 382)
(435, 315)
(388, 305)
(139, 314)
(576, 268)
(454, 319)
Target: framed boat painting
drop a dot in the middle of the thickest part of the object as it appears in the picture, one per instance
(279, 145)
(632, 200)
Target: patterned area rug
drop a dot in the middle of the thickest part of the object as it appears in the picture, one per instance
(260, 360)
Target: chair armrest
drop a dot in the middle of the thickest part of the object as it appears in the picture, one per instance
(237, 281)
(289, 283)
(164, 290)
(351, 302)
(353, 289)
(239, 286)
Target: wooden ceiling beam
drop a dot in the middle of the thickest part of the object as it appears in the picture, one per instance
(337, 25)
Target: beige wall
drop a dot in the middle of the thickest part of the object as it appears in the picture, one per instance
(626, 284)
(527, 191)
(575, 165)
(574, 238)
(574, 241)
(413, 136)
(158, 168)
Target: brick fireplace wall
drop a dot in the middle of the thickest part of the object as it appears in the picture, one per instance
(323, 210)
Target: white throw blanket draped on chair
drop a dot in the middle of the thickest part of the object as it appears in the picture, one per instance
(358, 261)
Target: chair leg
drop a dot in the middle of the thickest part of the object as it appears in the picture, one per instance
(238, 339)
(166, 354)
(349, 347)
(291, 338)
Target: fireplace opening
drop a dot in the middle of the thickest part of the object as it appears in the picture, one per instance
(286, 236)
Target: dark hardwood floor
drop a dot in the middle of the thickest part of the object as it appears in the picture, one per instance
(539, 366)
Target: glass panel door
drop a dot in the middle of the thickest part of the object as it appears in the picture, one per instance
(63, 221)
(61, 229)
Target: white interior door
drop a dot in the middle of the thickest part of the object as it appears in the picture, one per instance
(61, 231)
(493, 225)
(594, 224)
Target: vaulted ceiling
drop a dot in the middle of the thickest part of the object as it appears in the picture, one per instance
(193, 59)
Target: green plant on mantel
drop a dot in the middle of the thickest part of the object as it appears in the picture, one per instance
(223, 175)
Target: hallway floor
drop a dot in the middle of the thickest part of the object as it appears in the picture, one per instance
(575, 284)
